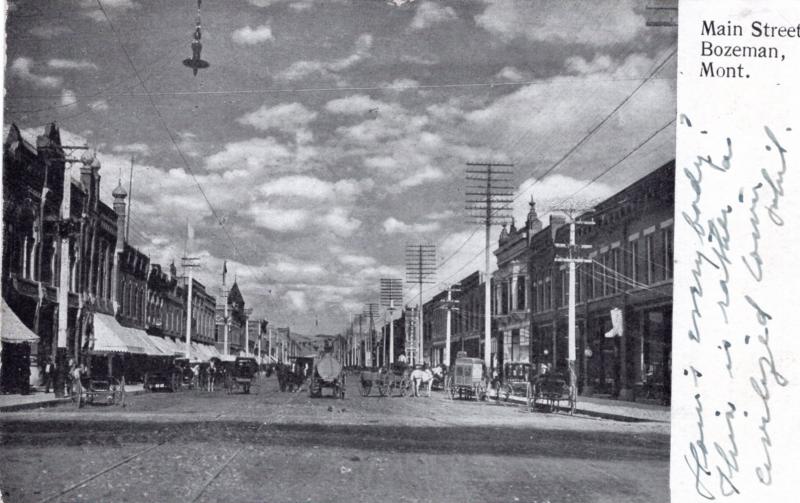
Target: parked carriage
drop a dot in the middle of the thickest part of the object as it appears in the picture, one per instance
(93, 387)
(549, 390)
(241, 375)
(468, 379)
(327, 373)
(516, 380)
(386, 379)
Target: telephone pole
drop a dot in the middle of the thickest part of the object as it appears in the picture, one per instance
(189, 264)
(391, 296)
(489, 195)
(450, 305)
(66, 230)
(370, 311)
(572, 258)
(420, 269)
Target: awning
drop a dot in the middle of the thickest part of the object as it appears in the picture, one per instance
(106, 339)
(135, 341)
(164, 344)
(13, 330)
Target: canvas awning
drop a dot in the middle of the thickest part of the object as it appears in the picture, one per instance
(165, 344)
(106, 338)
(12, 330)
(136, 341)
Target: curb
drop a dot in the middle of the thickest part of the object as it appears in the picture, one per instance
(49, 403)
(588, 412)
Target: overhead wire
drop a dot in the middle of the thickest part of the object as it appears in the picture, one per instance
(181, 154)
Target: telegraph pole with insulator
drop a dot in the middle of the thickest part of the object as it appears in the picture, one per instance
(489, 195)
(420, 269)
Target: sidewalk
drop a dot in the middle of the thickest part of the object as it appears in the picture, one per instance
(38, 399)
(608, 408)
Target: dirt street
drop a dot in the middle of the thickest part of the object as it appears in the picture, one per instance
(287, 447)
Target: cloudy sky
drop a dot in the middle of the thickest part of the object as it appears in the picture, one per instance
(328, 134)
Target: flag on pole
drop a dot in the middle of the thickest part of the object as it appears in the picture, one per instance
(224, 271)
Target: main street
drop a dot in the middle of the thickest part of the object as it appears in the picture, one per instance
(272, 446)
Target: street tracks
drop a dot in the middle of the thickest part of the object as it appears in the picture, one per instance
(200, 490)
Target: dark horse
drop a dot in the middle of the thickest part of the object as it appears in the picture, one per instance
(289, 379)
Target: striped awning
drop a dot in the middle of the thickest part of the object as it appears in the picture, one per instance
(136, 341)
(165, 344)
(12, 330)
(108, 340)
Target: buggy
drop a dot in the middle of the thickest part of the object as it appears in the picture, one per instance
(551, 388)
(516, 380)
(242, 374)
(100, 388)
(386, 379)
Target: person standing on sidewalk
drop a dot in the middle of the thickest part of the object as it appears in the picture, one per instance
(47, 375)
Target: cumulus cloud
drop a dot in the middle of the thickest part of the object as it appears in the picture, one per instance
(253, 36)
(339, 221)
(356, 260)
(297, 298)
(303, 68)
(426, 175)
(309, 187)
(511, 74)
(255, 155)
(68, 99)
(394, 226)
(21, 67)
(99, 105)
(48, 32)
(568, 21)
(92, 11)
(286, 117)
(431, 13)
(71, 64)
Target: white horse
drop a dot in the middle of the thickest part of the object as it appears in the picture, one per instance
(421, 377)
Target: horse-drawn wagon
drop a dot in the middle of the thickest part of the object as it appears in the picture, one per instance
(90, 387)
(242, 374)
(386, 379)
(468, 379)
(551, 388)
(328, 373)
(516, 380)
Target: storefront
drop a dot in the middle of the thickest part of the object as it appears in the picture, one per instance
(15, 354)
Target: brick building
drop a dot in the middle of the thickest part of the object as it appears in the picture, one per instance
(631, 269)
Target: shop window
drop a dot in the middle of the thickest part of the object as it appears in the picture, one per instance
(650, 259)
(667, 243)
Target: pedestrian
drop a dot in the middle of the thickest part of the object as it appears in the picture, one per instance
(212, 375)
(48, 371)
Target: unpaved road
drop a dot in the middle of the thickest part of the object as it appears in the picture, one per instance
(281, 447)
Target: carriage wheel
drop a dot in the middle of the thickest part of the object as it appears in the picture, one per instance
(529, 397)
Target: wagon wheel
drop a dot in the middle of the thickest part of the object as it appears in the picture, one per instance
(530, 398)
(507, 392)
